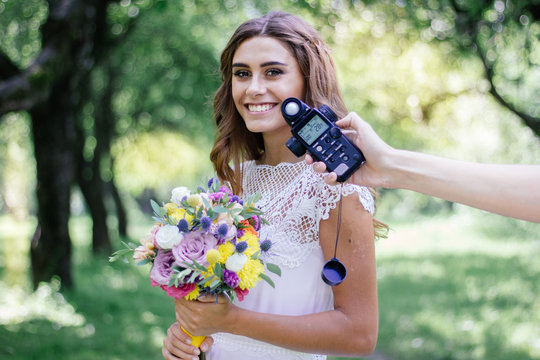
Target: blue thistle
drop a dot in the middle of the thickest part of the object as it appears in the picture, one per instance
(210, 182)
(222, 230)
(183, 225)
(266, 245)
(236, 198)
(205, 223)
(241, 246)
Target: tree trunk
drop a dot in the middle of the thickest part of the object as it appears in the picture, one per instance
(120, 209)
(91, 187)
(67, 57)
(52, 130)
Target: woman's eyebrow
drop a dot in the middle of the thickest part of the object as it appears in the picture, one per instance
(268, 63)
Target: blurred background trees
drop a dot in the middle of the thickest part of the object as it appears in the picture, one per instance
(105, 104)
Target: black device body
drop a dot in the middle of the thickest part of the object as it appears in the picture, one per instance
(314, 131)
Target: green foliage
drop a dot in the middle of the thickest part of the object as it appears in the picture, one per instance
(159, 160)
(17, 175)
(19, 29)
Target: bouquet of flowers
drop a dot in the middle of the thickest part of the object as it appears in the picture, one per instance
(205, 242)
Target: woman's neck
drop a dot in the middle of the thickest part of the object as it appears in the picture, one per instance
(276, 151)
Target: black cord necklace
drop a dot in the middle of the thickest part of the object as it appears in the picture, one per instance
(334, 272)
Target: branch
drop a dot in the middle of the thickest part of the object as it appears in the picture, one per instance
(532, 122)
(7, 67)
(27, 88)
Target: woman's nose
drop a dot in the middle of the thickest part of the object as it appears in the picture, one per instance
(256, 86)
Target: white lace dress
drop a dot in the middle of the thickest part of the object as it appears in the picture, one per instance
(294, 200)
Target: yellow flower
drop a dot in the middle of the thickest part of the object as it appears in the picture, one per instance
(194, 200)
(253, 243)
(249, 275)
(175, 214)
(212, 256)
(193, 295)
(225, 250)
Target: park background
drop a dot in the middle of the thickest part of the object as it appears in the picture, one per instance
(107, 104)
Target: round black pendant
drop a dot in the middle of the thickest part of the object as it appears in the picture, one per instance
(334, 272)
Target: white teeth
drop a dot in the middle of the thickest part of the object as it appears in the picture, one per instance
(259, 108)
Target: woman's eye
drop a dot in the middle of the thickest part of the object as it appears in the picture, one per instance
(274, 72)
(241, 73)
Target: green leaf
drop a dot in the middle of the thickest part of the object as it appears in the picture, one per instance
(237, 210)
(205, 202)
(119, 254)
(214, 284)
(144, 262)
(273, 268)
(218, 270)
(268, 280)
(220, 209)
(195, 266)
(158, 210)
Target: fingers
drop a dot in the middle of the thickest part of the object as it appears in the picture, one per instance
(207, 344)
(331, 179)
(352, 121)
(221, 299)
(176, 345)
(320, 167)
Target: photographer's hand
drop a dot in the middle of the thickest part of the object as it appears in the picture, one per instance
(509, 190)
(377, 170)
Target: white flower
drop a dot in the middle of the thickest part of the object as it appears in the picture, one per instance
(236, 262)
(178, 193)
(168, 236)
(224, 218)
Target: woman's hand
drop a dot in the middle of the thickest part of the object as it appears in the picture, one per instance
(205, 316)
(177, 345)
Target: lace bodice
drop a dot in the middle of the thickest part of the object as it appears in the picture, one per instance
(294, 200)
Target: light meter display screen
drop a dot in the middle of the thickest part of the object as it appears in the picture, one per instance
(313, 129)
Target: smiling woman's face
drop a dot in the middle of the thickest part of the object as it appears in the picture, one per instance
(265, 73)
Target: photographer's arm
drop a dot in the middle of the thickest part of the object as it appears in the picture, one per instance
(509, 190)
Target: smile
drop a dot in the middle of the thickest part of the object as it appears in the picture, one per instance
(259, 107)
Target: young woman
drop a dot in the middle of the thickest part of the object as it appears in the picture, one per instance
(267, 60)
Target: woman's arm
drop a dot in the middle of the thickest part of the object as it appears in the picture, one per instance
(350, 329)
(509, 190)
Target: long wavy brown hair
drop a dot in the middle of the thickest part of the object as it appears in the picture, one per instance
(234, 143)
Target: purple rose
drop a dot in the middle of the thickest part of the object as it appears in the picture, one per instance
(161, 271)
(194, 247)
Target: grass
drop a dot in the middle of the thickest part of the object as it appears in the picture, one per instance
(450, 288)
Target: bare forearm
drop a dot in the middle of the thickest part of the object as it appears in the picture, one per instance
(315, 333)
(509, 190)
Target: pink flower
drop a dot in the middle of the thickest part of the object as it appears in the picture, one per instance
(241, 293)
(147, 248)
(180, 291)
(194, 247)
